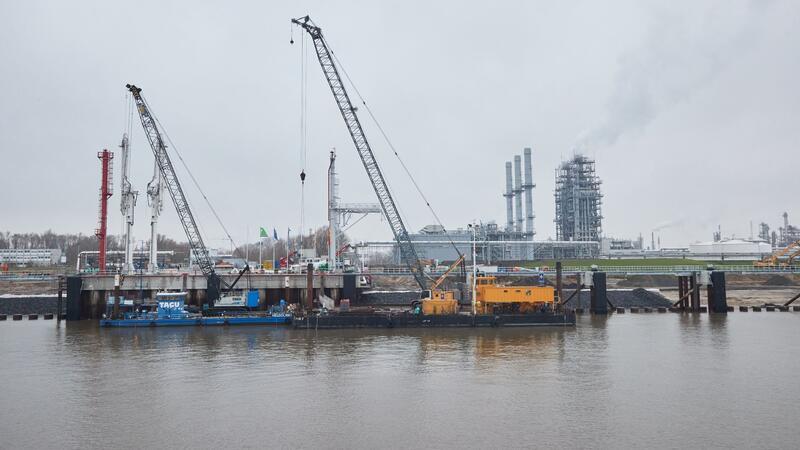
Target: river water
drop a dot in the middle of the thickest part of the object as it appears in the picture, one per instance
(628, 381)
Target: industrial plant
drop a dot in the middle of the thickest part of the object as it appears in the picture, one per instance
(578, 201)
(578, 220)
(211, 279)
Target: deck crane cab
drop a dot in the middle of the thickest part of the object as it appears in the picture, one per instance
(215, 286)
(440, 301)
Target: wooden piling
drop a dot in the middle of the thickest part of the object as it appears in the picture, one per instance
(559, 284)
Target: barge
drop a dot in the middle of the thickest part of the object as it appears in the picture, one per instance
(170, 311)
(402, 319)
(493, 305)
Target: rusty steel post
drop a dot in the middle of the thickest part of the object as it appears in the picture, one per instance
(559, 291)
(310, 287)
(61, 282)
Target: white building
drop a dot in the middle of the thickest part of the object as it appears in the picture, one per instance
(30, 256)
(731, 249)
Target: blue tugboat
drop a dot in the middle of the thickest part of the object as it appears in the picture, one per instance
(170, 310)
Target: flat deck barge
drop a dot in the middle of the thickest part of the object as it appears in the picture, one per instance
(410, 320)
(197, 321)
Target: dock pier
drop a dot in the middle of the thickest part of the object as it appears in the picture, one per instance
(87, 294)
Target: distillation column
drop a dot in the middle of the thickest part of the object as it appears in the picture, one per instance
(528, 188)
(518, 192)
(509, 195)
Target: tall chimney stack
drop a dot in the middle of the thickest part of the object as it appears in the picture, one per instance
(528, 187)
(518, 192)
(509, 195)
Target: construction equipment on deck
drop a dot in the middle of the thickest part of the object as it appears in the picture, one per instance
(493, 298)
(201, 256)
(790, 252)
(441, 301)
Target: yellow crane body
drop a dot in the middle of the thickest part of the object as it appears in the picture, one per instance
(440, 302)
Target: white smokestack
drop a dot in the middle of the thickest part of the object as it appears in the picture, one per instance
(518, 192)
(509, 195)
(528, 187)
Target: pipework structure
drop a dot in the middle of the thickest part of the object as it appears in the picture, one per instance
(127, 203)
(578, 201)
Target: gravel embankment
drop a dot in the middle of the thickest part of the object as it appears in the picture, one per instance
(29, 305)
(642, 298)
(387, 298)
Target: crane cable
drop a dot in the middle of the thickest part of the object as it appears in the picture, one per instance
(128, 129)
(303, 131)
(191, 175)
(394, 150)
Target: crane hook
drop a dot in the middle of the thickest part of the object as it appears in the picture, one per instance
(303, 176)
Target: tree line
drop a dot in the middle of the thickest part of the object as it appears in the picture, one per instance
(72, 244)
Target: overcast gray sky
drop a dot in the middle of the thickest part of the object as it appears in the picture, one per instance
(691, 109)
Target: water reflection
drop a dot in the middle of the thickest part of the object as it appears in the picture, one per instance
(617, 379)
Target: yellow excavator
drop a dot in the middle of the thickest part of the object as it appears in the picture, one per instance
(790, 252)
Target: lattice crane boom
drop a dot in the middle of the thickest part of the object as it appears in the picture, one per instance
(390, 211)
(170, 178)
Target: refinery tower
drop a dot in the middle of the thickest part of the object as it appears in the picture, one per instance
(578, 200)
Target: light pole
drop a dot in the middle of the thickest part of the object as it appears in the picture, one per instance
(474, 265)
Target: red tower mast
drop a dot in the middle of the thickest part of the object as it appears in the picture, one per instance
(106, 191)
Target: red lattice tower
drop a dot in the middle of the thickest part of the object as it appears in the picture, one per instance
(106, 191)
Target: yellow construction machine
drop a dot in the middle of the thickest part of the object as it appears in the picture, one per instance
(441, 301)
(492, 298)
(790, 252)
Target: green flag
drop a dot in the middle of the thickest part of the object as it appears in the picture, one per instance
(263, 233)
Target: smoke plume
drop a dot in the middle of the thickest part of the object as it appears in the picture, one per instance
(681, 53)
